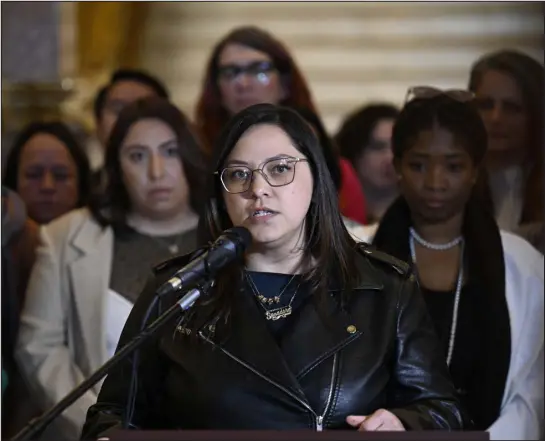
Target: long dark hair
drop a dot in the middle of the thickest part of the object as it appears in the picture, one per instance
(329, 149)
(120, 75)
(60, 131)
(355, 133)
(326, 239)
(211, 116)
(461, 119)
(112, 206)
(528, 74)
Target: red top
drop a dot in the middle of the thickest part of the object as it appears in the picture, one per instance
(351, 198)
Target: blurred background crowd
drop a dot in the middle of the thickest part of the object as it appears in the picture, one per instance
(69, 70)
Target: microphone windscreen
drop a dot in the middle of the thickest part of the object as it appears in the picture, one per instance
(241, 236)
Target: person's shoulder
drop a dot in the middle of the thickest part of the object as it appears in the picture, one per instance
(360, 232)
(516, 244)
(385, 262)
(65, 228)
(29, 238)
(521, 254)
(72, 217)
(67, 222)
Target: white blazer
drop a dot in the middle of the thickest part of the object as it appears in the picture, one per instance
(62, 337)
(522, 411)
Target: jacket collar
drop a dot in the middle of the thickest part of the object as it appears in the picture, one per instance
(86, 236)
(89, 268)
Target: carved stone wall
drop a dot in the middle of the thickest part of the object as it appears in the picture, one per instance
(30, 35)
(35, 63)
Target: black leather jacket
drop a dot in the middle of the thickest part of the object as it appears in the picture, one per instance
(380, 353)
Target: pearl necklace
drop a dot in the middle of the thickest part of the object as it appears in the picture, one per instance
(459, 282)
(434, 246)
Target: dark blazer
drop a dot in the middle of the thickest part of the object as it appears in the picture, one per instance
(380, 351)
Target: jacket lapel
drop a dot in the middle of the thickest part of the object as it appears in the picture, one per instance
(312, 340)
(322, 331)
(89, 276)
(249, 343)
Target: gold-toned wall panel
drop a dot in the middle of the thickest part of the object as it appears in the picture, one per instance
(109, 35)
(99, 37)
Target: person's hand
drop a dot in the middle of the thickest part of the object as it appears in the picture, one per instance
(381, 420)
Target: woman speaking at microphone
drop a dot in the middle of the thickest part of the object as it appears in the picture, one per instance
(310, 330)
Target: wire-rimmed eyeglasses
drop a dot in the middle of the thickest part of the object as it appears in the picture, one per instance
(460, 95)
(276, 171)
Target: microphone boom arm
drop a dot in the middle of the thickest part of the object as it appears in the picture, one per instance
(37, 425)
(229, 246)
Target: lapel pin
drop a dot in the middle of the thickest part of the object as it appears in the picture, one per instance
(182, 330)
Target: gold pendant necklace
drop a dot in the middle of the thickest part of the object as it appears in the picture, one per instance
(261, 297)
(172, 247)
(278, 313)
(282, 312)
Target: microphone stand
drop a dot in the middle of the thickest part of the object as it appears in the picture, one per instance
(37, 425)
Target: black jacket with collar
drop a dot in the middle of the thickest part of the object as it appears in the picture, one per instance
(378, 352)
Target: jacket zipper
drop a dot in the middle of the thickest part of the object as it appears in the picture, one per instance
(320, 418)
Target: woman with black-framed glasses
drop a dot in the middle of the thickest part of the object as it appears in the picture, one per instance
(310, 331)
(247, 66)
(483, 286)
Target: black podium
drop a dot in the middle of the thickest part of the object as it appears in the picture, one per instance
(287, 435)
